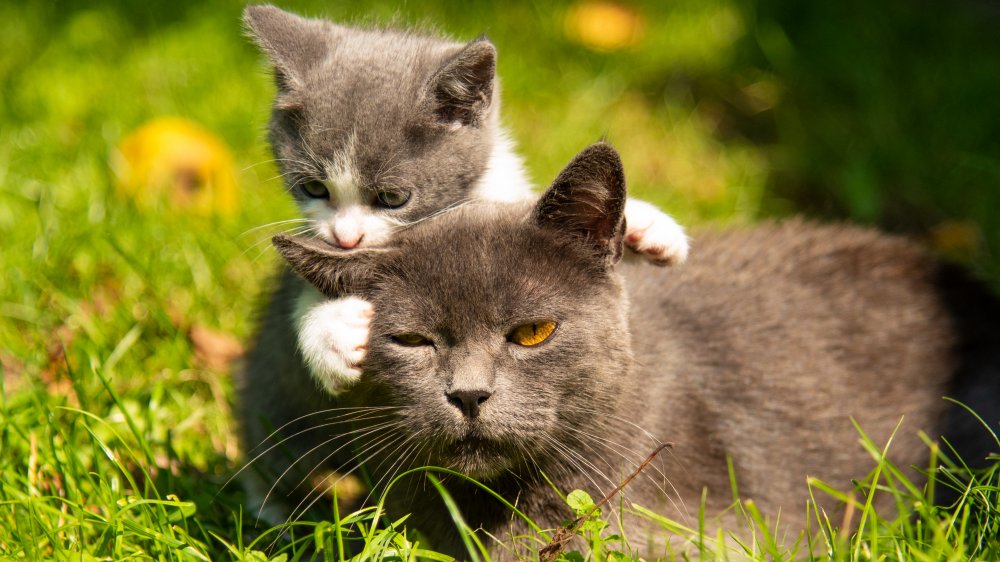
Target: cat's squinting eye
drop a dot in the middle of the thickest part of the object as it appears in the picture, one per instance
(532, 333)
(411, 340)
(392, 199)
(316, 189)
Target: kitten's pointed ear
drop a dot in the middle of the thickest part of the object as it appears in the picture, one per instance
(462, 90)
(293, 43)
(588, 200)
(333, 271)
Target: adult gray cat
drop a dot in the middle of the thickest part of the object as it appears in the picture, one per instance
(507, 343)
(373, 129)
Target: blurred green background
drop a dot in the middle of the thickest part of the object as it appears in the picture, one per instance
(725, 111)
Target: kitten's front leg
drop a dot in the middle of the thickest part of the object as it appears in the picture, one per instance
(333, 337)
(653, 234)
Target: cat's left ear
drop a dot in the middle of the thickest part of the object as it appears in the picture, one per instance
(335, 272)
(587, 200)
(461, 91)
(293, 43)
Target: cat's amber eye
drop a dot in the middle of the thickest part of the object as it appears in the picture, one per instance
(532, 333)
(316, 189)
(411, 340)
(392, 198)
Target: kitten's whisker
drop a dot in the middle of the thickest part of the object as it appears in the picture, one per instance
(385, 166)
(270, 224)
(449, 208)
(256, 245)
(274, 161)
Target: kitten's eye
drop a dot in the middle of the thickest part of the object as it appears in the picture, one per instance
(392, 199)
(533, 333)
(315, 189)
(411, 340)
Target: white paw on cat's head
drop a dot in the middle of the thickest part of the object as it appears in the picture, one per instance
(654, 235)
(372, 127)
(333, 338)
(493, 331)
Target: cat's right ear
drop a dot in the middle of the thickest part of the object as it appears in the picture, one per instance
(587, 200)
(335, 272)
(461, 91)
(292, 43)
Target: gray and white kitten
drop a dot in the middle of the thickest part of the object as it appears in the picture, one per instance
(374, 129)
(506, 344)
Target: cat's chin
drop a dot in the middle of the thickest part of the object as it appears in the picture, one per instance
(478, 458)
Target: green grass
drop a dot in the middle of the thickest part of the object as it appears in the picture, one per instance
(117, 441)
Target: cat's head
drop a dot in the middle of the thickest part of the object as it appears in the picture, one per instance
(498, 330)
(376, 128)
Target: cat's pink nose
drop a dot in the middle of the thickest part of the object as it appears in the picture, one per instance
(348, 242)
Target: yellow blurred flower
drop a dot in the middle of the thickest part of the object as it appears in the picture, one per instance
(177, 161)
(956, 239)
(603, 26)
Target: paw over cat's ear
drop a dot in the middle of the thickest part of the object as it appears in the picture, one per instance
(292, 43)
(461, 91)
(587, 200)
(335, 272)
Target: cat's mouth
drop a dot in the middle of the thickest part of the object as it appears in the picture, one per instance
(477, 456)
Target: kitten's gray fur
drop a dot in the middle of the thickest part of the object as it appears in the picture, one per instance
(387, 100)
(761, 348)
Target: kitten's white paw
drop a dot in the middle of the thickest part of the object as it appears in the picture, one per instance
(654, 234)
(333, 338)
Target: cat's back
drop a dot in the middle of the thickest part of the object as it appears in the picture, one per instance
(832, 285)
(771, 339)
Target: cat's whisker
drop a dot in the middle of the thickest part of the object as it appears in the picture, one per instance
(264, 243)
(348, 411)
(271, 224)
(305, 225)
(456, 205)
(389, 164)
(400, 462)
(654, 441)
(362, 433)
(592, 414)
(275, 161)
(423, 445)
(257, 245)
(301, 230)
(583, 463)
(580, 464)
(632, 463)
(303, 506)
(286, 438)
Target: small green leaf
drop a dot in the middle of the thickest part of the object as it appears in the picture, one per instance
(593, 526)
(580, 502)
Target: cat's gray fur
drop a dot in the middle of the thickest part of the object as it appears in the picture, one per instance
(761, 348)
(387, 100)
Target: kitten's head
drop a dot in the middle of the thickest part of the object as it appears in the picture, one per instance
(375, 128)
(497, 330)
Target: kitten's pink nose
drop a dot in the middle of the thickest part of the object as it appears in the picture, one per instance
(348, 242)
